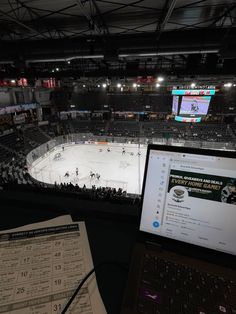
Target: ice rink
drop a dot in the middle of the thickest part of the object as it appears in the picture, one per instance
(116, 169)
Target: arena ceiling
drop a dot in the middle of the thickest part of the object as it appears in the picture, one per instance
(117, 37)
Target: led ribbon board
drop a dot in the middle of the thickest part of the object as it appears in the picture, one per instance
(190, 92)
(184, 119)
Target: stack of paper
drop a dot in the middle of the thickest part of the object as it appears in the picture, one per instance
(42, 264)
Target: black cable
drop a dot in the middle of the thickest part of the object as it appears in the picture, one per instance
(86, 278)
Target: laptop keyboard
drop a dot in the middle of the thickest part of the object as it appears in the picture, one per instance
(171, 288)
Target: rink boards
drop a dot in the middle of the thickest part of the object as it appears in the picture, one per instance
(116, 169)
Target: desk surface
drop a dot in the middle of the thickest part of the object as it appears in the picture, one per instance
(110, 239)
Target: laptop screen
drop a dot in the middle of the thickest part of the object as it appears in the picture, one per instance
(191, 198)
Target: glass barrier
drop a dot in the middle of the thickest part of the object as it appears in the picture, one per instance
(45, 150)
(80, 138)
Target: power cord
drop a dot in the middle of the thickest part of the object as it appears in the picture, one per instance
(120, 265)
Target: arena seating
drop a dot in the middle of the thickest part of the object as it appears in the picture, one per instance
(96, 127)
(35, 136)
(150, 129)
(124, 128)
(50, 130)
(233, 129)
(5, 155)
(14, 174)
(163, 129)
(12, 140)
(210, 132)
(15, 145)
(14, 171)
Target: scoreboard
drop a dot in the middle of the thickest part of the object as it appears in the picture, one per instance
(189, 105)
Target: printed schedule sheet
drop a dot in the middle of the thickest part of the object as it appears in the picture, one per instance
(41, 265)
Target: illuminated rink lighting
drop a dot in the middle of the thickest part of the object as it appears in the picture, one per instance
(228, 84)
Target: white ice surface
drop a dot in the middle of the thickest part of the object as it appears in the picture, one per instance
(116, 169)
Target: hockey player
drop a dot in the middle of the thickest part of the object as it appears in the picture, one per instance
(92, 174)
(77, 171)
(108, 149)
(123, 151)
(97, 176)
(67, 174)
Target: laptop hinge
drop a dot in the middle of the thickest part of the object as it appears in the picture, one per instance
(153, 246)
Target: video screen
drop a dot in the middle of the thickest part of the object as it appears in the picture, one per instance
(195, 105)
(175, 104)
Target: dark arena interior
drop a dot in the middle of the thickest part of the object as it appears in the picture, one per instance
(85, 87)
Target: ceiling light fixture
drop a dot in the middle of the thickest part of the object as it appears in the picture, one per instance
(228, 85)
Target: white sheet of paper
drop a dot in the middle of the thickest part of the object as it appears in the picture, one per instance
(41, 267)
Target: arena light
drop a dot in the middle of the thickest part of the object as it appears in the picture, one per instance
(104, 85)
(158, 85)
(13, 81)
(99, 85)
(57, 69)
(193, 85)
(118, 85)
(228, 85)
(68, 62)
(160, 79)
(84, 85)
(134, 85)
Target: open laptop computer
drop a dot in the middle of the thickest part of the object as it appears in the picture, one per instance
(184, 258)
